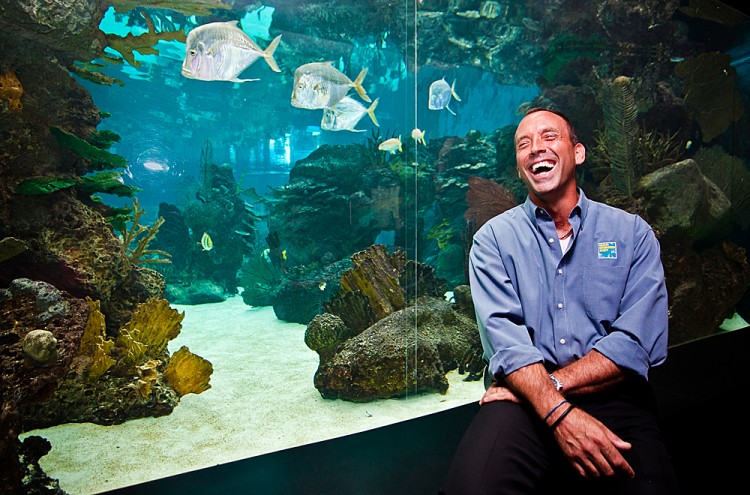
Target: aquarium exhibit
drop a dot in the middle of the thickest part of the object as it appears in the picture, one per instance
(233, 227)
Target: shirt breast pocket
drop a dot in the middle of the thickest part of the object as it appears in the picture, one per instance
(603, 288)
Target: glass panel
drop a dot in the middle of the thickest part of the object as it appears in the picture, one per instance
(313, 172)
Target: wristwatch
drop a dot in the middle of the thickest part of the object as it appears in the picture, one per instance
(558, 383)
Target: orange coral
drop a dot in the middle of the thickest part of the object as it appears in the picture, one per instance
(11, 91)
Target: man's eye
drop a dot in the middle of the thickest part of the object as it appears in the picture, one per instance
(522, 145)
(550, 137)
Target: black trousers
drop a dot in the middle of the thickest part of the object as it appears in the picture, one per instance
(507, 449)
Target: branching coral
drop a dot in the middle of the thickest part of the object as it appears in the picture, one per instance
(187, 7)
(143, 44)
(135, 234)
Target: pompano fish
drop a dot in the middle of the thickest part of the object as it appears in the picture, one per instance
(346, 114)
(321, 85)
(440, 95)
(391, 145)
(220, 51)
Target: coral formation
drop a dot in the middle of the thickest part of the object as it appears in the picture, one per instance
(142, 237)
(188, 373)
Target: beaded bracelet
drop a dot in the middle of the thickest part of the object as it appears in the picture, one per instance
(553, 410)
(562, 416)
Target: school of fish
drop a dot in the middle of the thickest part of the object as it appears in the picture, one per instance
(221, 51)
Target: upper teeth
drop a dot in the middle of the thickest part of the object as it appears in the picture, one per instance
(542, 165)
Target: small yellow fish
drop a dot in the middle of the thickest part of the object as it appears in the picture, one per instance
(283, 255)
(418, 136)
(206, 243)
(322, 286)
(391, 145)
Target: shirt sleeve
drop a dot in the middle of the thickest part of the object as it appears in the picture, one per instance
(505, 339)
(638, 336)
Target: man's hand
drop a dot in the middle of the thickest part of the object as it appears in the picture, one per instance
(498, 392)
(591, 447)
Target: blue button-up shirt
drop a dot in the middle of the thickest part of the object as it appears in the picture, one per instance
(535, 303)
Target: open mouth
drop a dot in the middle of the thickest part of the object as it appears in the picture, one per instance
(542, 167)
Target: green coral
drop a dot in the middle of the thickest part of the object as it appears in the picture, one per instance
(99, 159)
(106, 182)
(44, 185)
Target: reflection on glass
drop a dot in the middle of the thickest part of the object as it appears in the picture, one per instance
(234, 228)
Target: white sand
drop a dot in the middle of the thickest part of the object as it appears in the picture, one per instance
(262, 399)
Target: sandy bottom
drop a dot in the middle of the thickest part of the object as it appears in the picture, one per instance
(261, 400)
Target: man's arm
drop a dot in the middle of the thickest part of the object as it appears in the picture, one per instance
(589, 446)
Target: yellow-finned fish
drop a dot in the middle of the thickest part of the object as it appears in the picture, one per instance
(391, 145)
(346, 114)
(220, 51)
(418, 136)
(440, 95)
(321, 85)
(206, 243)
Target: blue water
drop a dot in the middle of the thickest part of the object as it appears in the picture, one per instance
(164, 119)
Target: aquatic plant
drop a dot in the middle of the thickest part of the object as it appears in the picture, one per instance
(142, 237)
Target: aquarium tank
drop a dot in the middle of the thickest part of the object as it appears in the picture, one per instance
(233, 227)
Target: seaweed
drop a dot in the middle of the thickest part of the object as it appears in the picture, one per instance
(104, 139)
(135, 234)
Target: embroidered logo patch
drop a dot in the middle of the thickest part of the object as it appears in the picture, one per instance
(607, 250)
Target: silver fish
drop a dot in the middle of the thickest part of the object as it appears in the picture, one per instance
(346, 114)
(321, 85)
(440, 95)
(220, 51)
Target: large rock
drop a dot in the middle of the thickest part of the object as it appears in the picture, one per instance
(431, 338)
(682, 201)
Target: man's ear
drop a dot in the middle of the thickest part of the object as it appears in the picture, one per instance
(580, 151)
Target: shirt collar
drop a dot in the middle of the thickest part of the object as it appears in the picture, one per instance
(582, 206)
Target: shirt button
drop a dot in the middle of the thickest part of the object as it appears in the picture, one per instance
(559, 270)
(562, 341)
(559, 305)
(551, 240)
